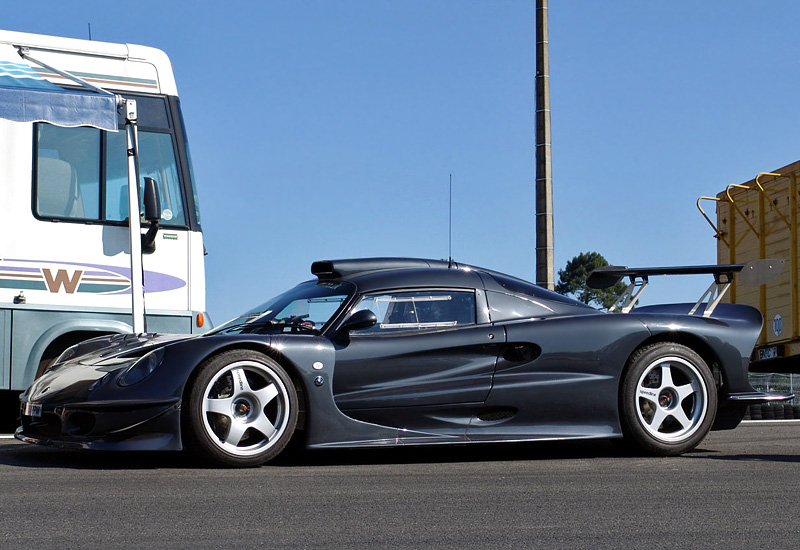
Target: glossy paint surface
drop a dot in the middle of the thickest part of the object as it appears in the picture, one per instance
(554, 375)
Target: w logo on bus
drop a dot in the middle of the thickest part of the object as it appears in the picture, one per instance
(74, 279)
(62, 278)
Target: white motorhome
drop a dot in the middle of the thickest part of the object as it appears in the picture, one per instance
(70, 268)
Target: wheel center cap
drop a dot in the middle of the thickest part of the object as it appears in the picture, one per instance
(242, 408)
(666, 399)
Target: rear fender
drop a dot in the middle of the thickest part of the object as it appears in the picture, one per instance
(738, 325)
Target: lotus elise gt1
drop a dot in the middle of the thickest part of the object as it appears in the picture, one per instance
(393, 351)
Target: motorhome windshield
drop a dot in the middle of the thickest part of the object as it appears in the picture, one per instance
(81, 173)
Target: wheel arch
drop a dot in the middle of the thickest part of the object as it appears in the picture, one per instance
(286, 363)
(691, 341)
(639, 431)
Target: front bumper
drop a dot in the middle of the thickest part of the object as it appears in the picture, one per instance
(151, 425)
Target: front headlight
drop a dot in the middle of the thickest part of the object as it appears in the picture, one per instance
(142, 368)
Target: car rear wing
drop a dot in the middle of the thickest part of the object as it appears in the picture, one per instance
(757, 272)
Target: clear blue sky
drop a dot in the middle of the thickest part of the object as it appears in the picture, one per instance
(326, 129)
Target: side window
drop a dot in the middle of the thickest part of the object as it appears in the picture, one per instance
(412, 311)
(82, 173)
(68, 172)
(116, 201)
(506, 307)
(157, 161)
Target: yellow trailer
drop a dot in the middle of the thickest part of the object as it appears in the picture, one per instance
(759, 219)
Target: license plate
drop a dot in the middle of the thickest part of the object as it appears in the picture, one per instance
(32, 409)
(768, 353)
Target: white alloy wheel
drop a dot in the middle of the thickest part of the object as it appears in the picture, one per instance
(242, 409)
(672, 399)
(668, 400)
(245, 408)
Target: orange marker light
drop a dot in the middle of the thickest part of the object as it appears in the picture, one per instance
(200, 320)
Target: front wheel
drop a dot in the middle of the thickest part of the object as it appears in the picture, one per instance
(241, 409)
(668, 399)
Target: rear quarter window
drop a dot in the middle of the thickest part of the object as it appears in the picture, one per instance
(507, 307)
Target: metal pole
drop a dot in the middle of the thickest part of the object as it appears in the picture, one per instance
(137, 278)
(545, 272)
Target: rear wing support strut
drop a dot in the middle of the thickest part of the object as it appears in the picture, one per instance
(627, 300)
(713, 295)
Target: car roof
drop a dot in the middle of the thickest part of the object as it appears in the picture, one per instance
(385, 273)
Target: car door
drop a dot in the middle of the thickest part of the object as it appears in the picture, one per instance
(426, 351)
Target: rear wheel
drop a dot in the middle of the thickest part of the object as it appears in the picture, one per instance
(668, 399)
(241, 409)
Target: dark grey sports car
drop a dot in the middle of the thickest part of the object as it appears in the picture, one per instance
(393, 351)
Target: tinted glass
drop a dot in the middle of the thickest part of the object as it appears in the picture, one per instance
(420, 310)
(70, 164)
(189, 160)
(306, 308)
(529, 289)
(67, 172)
(506, 307)
(157, 161)
(151, 112)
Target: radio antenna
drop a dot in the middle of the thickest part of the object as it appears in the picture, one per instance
(450, 228)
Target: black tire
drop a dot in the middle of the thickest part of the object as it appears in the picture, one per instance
(241, 410)
(668, 399)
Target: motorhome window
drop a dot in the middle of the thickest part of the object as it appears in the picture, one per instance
(157, 161)
(82, 173)
(177, 108)
(68, 172)
(151, 113)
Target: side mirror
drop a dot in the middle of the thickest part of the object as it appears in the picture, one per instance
(152, 213)
(152, 201)
(357, 321)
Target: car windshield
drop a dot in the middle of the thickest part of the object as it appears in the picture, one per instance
(305, 308)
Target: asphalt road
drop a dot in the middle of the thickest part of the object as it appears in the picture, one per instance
(740, 489)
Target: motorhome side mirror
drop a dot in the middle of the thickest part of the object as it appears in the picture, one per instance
(358, 321)
(152, 213)
(152, 201)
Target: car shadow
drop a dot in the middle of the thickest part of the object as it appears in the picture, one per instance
(704, 455)
(436, 454)
(32, 456)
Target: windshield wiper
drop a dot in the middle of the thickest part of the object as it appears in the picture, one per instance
(297, 323)
(254, 327)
